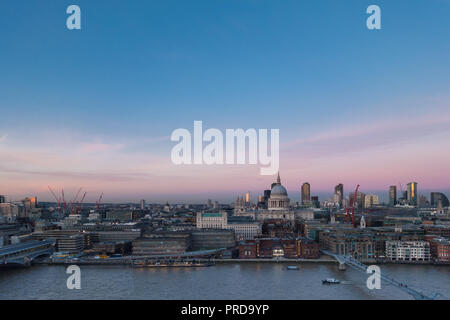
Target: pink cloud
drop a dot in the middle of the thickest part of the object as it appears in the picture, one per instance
(100, 147)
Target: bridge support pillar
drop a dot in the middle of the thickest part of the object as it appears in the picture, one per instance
(342, 267)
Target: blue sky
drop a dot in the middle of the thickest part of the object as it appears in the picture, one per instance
(140, 69)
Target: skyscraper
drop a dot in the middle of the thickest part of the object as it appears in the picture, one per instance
(339, 192)
(371, 200)
(266, 196)
(392, 195)
(306, 193)
(412, 194)
(360, 199)
(437, 197)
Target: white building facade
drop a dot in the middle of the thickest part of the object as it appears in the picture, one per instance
(244, 228)
(408, 250)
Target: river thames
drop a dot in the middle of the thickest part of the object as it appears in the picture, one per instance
(224, 281)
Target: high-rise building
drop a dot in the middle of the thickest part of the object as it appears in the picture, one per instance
(371, 200)
(315, 201)
(2, 199)
(436, 197)
(412, 195)
(339, 193)
(360, 199)
(306, 193)
(142, 204)
(266, 195)
(392, 195)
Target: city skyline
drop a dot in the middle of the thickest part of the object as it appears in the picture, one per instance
(224, 198)
(94, 108)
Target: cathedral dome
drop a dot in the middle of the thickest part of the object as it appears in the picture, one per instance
(278, 199)
(278, 190)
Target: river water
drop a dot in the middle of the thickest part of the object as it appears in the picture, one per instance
(223, 281)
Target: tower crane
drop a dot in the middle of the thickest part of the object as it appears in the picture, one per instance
(351, 208)
(58, 200)
(81, 202)
(63, 199)
(74, 200)
(98, 202)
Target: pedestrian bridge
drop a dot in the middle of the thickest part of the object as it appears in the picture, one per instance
(355, 264)
(24, 253)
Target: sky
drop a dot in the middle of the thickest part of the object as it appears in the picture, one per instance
(95, 107)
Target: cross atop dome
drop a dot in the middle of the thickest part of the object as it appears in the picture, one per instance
(278, 178)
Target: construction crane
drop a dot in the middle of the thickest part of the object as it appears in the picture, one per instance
(76, 197)
(98, 202)
(351, 208)
(81, 202)
(63, 200)
(58, 200)
(73, 202)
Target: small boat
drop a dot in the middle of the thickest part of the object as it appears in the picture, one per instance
(331, 281)
(292, 267)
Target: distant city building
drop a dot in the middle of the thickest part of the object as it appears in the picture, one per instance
(339, 194)
(403, 199)
(371, 200)
(423, 201)
(239, 203)
(244, 227)
(408, 250)
(212, 220)
(162, 245)
(436, 197)
(207, 239)
(73, 243)
(266, 196)
(392, 195)
(2, 199)
(10, 211)
(287, 247)
(442, 249)
(359, 246)
(315, 201)
(412, 195)
(306, 193)
(360, 199)
(142, 204)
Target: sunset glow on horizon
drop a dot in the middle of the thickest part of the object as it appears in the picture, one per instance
(95, 108)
